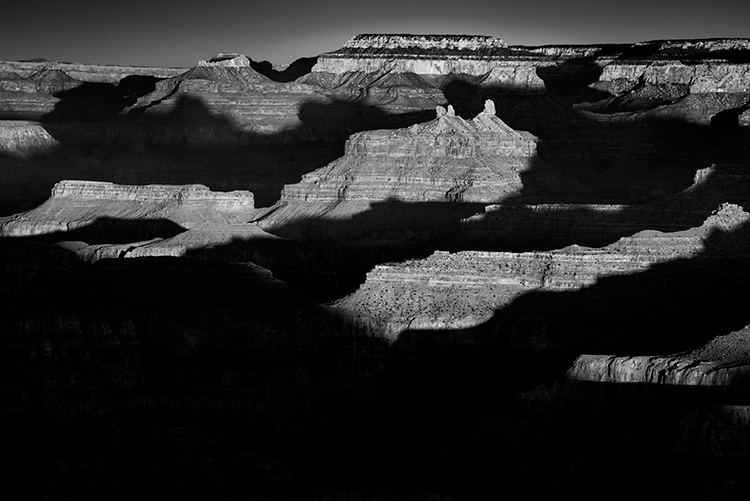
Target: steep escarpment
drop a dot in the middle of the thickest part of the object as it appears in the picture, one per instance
(100, 212)
(449, 159)
(467, 289)
(629, 77)
(432, 56)
(446, 161)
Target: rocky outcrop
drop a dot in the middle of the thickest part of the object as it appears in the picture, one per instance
(648, 74)
(724, 362)
(25, 138)
(93, 207)
(444, 161)
(437, 55)
(465, 289)
(193, 195)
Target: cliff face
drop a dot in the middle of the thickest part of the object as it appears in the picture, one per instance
(195, 195)
(435, 55)
(77, 205)
(444, 161)
(465, 289)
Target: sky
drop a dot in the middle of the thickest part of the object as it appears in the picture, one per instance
(178, 33)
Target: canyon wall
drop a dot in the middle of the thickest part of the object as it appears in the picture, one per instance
(437, 55)
(77, 205)
(465, 289)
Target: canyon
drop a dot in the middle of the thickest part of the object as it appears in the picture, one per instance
(418, 266)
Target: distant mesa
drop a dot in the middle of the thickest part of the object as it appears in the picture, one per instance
(434, 55)
(77, 204)
(416, 43)
(228, 59)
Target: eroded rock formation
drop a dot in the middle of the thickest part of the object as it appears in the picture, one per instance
(466, 289)
(435, 56)
(445, 161)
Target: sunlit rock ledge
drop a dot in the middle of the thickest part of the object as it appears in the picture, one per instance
(417, 42)
(465, 289)
(437, 55)
(176, 194)
(110, 212)
(474, 160)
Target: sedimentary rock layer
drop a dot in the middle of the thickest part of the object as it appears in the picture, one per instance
(434, 55)
(444, 161)
(466, 289)
(81, 204)
(448, 159)
(722, 362)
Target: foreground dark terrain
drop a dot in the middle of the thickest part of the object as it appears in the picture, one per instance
(417, 267)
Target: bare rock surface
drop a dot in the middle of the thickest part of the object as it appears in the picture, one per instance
(447, 160)
(435, 55)
(465, 289)
(110, 220)
(722, 362)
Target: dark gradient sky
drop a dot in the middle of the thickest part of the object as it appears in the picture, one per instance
(179, 32)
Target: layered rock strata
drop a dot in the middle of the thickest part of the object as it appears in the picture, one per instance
(466, 289)
(724, 362)
(105, 207)
(628, 77)
(436, 55)
(444, 161)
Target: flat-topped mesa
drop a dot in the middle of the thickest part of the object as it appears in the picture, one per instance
(446, 159)
(194, 194)
(102, 212)
(437, 55)
(227, 59)
(417, 44)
